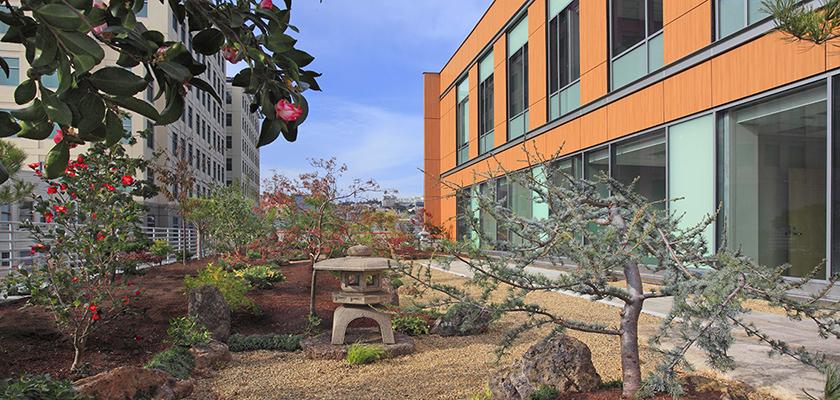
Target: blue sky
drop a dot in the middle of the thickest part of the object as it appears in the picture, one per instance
(372, 54)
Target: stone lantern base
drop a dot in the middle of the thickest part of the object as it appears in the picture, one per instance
(320, 347)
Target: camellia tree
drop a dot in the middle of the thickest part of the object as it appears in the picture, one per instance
(314, 212)
(599, 229)
(92, 220)
(68, 37)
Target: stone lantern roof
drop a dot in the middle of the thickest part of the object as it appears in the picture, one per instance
(358, 260)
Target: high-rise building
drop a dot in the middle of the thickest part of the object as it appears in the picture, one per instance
(199, 135)
(702, 100)
(242, 129)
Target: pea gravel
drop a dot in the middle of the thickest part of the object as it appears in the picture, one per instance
(441, 368)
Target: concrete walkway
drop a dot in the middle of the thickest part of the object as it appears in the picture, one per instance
(782, 375)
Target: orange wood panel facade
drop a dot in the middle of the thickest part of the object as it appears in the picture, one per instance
(764, 63)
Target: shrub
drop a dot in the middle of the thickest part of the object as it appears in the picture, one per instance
(359, 353)
(260, 276)
(411, 325)
(176, 361)
(28, 387)
(161, 249)
(485, 394)
(238, 343)
(253, 255)
(187, 331)
(233, 288)
(545, 392)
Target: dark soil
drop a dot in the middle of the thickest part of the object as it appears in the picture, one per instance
(31, 343)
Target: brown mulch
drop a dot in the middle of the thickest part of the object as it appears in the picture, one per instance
(30, 342)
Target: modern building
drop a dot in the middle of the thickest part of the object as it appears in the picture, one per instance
(242, 130)
(701, 99)
(199, 136)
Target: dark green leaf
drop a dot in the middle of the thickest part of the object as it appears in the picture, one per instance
(4, 174)
(174, 107)
(280, 42)
(176, 71)
(65, 77)
(300, 57)
(118, 81)
(46, 49)
(83, 62)
(139, 106)
(114, 131)
(25, 92)
(5, 66)
(79, 43)
(34, 112)
(57, 159)
(208, 41)
(200, 84)
(8, 127)
(92, 110)
(270, 130)
(57, 111)
(36, 131)
(242, 78)
(59, 15)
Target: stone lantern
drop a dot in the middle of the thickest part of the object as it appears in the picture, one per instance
(361, 288)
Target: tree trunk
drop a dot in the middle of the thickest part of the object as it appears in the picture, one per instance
(312, 289)
(77, 354)
(631, 373)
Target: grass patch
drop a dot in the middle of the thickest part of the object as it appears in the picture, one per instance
(411, 325)
(176, 360)
(37, 387)
(358, 353)
(545, 392)
(238, 343)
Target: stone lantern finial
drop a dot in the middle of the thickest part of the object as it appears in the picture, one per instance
(359, 250)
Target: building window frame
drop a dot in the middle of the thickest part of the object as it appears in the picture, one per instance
(486, 107)
(750, 16)
(566, 95)
(652, 43)
(462, 121)
(511, 57)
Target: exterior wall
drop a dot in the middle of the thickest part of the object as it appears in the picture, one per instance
(242, 133)
(209, 141)
(763, 62)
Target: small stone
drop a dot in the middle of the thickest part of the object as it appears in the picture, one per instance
(359, 251)
(132, 382)
(558, 361)
(212, 356)
(207, 304)
(463, 319)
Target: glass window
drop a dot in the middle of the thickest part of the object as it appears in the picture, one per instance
(773, 179)
(502, 199)
(642, 160)
(462, 121)
(734, 15)
(564, 58)
(485, 220)
(144, 12)
(14, 72)
(691, 179)
(50, 81)
(637, 47)
(517, 41)
(485, 104)
(3, 26)
(462, 215)
(150, 139)
(596, 163)
(229, 120)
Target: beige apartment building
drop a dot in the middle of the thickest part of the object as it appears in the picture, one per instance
(199, 135)
(242, 162)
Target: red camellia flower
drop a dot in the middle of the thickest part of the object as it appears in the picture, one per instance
(62, 186)
(231, 54)
(95, 317)
(127, 180)
(93, 215)
(137, 293)
(109, 186)
(80, 159)
(125, 300)
(100, 236)
(73, 195)
(287, 111)
(37, 248)
(60, 209)
(266, 4)
(35, 165)
(52, 190)
(75, 279)
(48, 217)
(59, 136)
(92, 307)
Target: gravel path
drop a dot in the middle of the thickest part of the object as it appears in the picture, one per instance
(441, 368)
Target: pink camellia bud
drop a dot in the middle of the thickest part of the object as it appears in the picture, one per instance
(59, 136)
(99, 4)
(161, 51)
(266, 4)
(231, 54)
(287, 111)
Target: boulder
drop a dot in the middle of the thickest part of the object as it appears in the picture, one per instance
(559, 361)
(207, 304)
(463, 319)
(132, 383)
(210, 357)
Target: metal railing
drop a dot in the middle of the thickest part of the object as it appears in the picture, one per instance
(16, 242)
